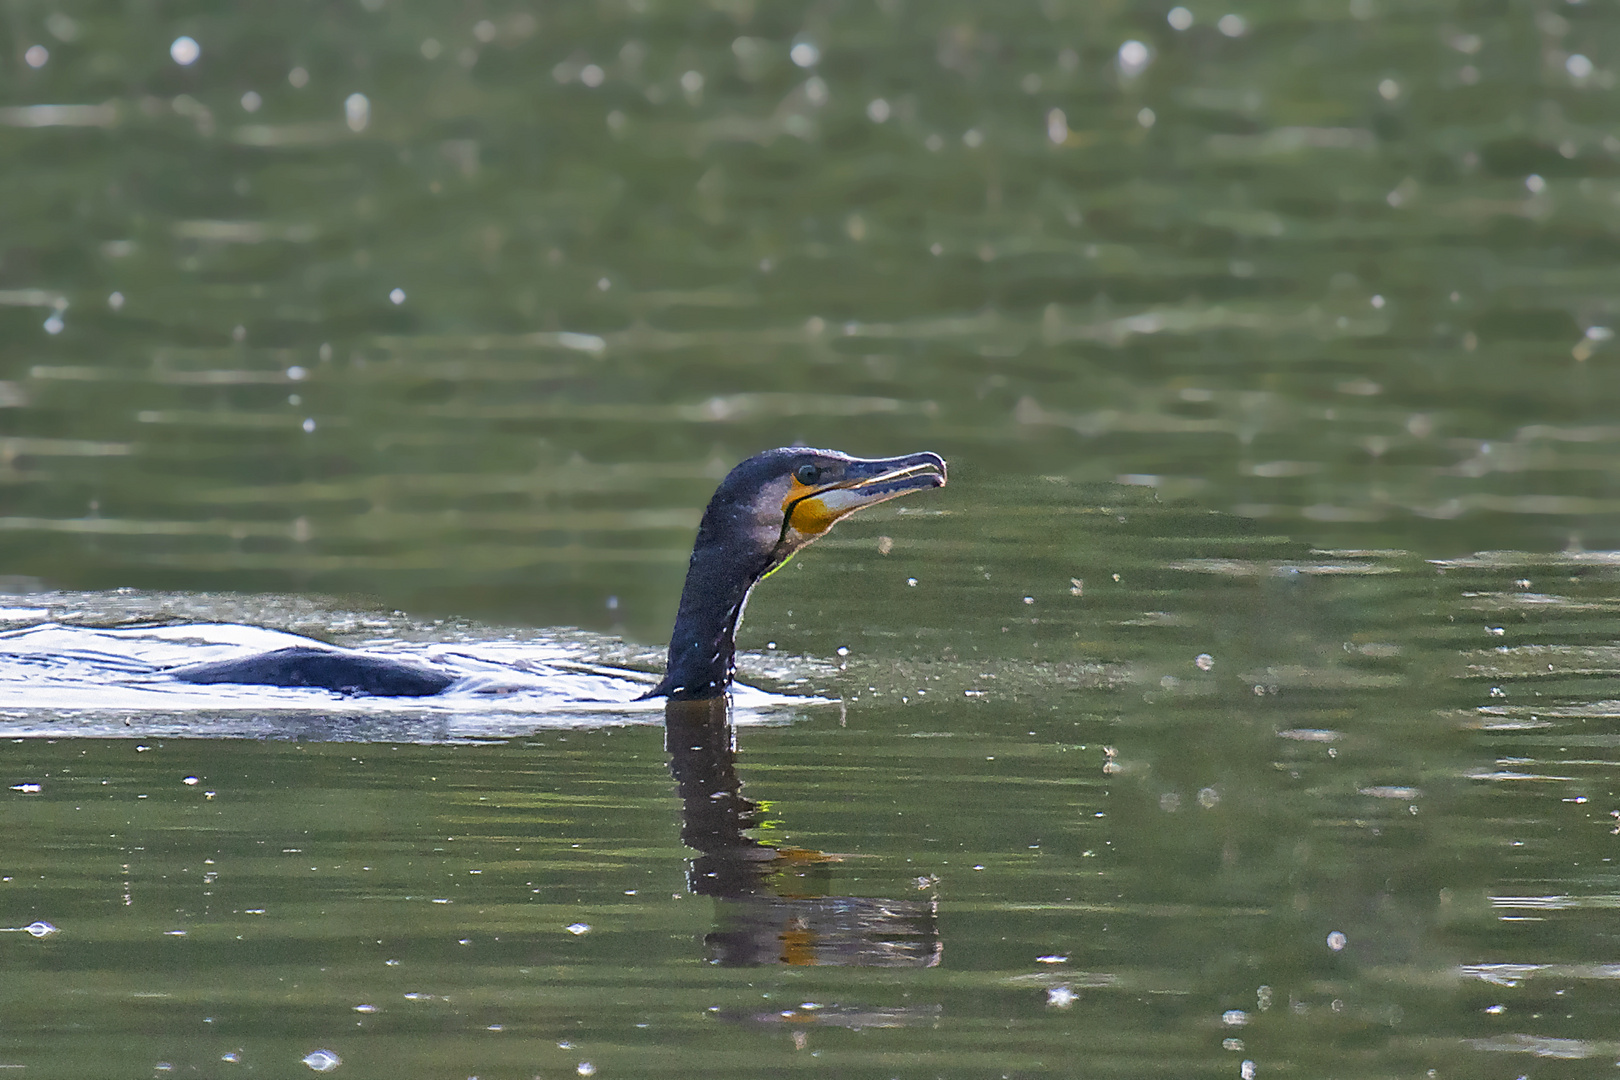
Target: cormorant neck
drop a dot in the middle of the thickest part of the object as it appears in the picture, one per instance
(702, 647)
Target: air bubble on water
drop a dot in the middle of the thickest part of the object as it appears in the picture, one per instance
(1203, 661)
(578, 928)
(185, 51)
(1337, 941)
(309, 425)
(1061, 997)
(1180, 19)
(1247, 1070)
(586, 1069)
(1234, 1018)
(322, 1060)
(1232, 25)
(54, 324)
(38, 929)
(397, 296)
(843, 650)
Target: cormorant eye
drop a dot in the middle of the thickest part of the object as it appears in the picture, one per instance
(808, 474)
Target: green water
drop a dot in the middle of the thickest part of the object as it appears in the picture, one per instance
(1258, 660)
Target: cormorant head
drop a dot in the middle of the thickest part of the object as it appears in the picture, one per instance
(764, 511)
(782, 500)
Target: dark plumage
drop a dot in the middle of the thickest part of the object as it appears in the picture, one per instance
(763, 512)
(329, 669)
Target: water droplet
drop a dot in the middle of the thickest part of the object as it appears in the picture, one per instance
(1180, 18)
(1232, 25)
(1579, 67)
(309, 425)
(1057, 127)
(54, 325)
(116, 301)
(36, 56)
(298, 77)
(185, 51)
(805, 54)
(397, 296)
(877, 110)
(1133, 58)
(357, 112)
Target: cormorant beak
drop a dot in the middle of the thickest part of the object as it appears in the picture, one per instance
(866, 482)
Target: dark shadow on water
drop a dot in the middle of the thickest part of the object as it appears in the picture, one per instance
(774, 905)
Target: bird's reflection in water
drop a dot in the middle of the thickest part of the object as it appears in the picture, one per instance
(772, 905)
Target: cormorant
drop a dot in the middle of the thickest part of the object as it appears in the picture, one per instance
(763, 512)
